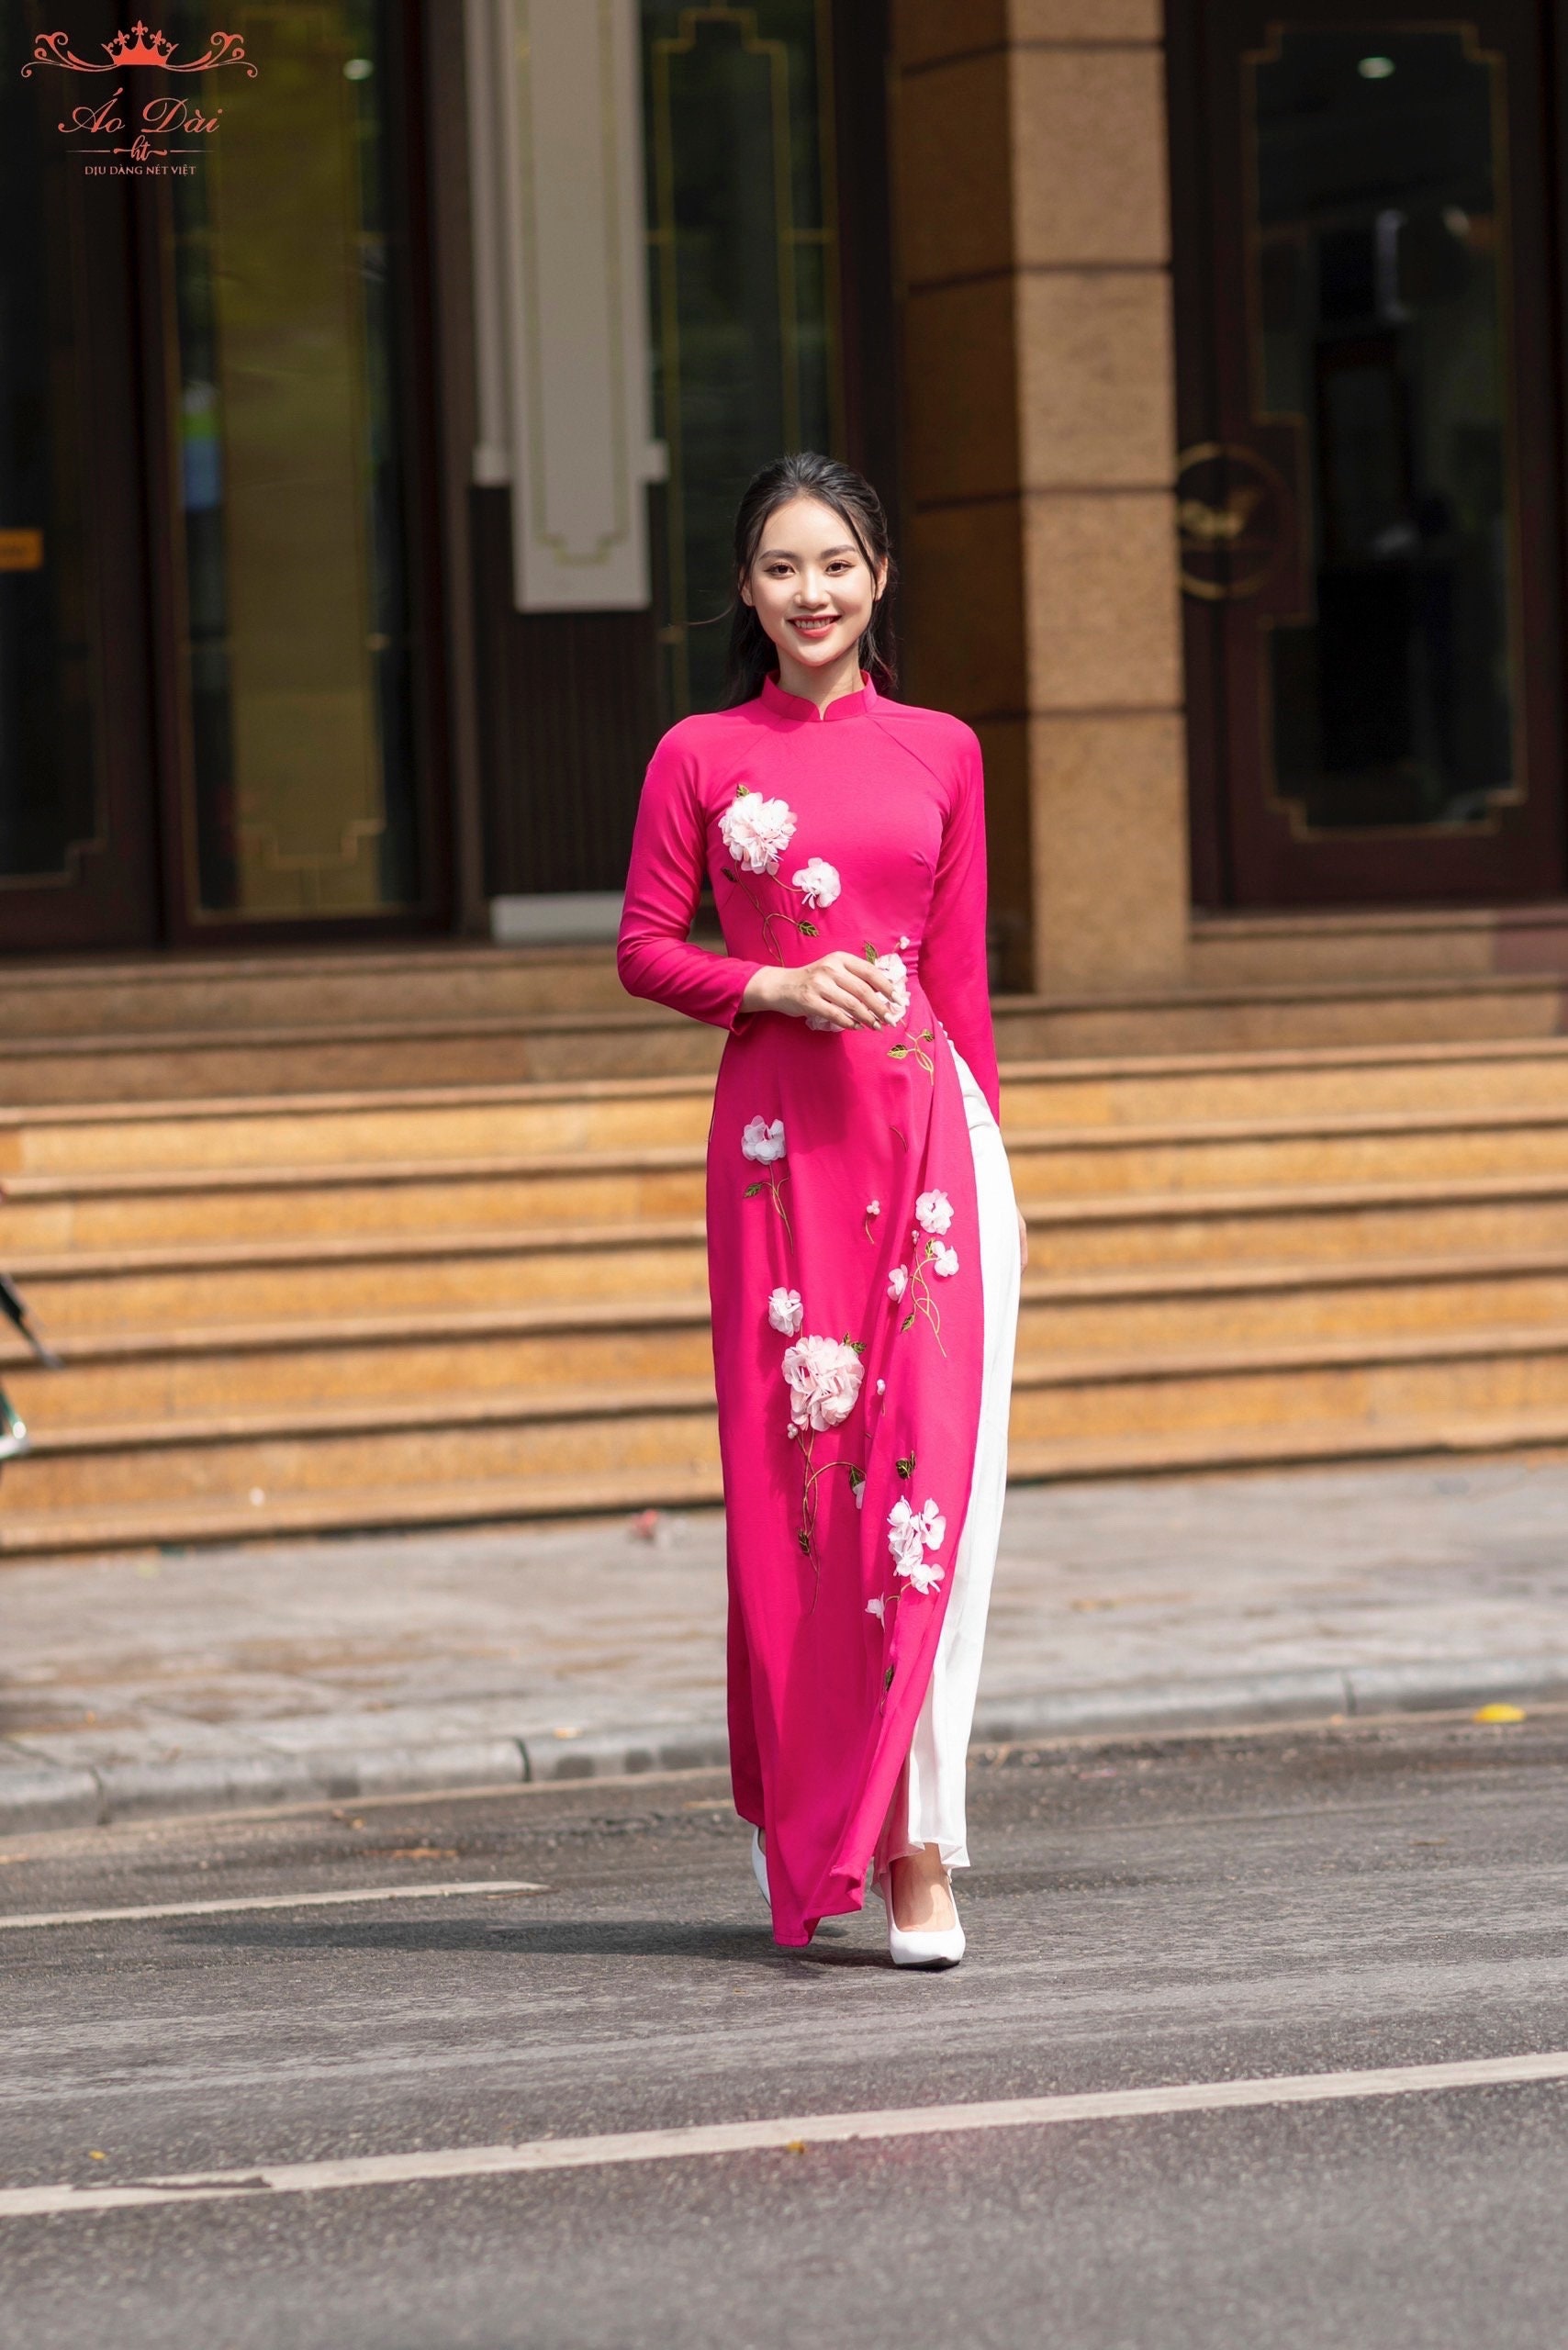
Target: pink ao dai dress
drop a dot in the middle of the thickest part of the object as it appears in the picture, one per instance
(862, 1317)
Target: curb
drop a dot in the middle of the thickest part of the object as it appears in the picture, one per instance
(1323, 1695)
(36, 1796)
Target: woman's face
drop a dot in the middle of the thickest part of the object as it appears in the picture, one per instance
(810, 584)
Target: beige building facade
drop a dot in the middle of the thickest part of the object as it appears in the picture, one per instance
(1040, 457)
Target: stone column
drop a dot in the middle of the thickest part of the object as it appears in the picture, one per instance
(1041, 601)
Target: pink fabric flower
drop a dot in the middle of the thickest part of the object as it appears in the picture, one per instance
(898, 1282)
(817, 880)
(933, 1211)
(891, 967)
(944, 1260)
(765, 1143)
(824, 1377)
(911, 1533)
(756, 832)
(784, 1311)
(878, 1608)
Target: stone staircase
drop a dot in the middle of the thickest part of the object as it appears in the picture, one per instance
(392, 1239)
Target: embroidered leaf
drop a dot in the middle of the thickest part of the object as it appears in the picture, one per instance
(751, 1190)
(807, 929)
(855, 1346)
(743, 792)
(870, 952)
(907, 1324)
(725, 875)
(905, 1466)
(804, 1540)
(898, 1052)
(888, 1678)
(857, 1479)
(926, 1037)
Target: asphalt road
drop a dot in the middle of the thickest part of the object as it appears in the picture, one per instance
(1154, 1912)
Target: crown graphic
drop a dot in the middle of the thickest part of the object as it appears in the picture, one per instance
(147, 48)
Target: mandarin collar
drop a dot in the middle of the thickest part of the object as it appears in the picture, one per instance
(795, 706)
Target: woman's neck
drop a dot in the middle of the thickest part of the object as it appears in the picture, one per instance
(820, 685)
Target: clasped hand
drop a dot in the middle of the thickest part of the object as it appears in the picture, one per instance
(840, 990)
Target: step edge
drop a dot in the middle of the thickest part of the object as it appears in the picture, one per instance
(475, 1502)
(191, 1043)
(1295, 1198)
(670, 1399)
(356, 1102)
(1049, 1460)
(1325, 1126)
(336, 1174)
(1360, 1351)
(418, 1327)
(217, 1257)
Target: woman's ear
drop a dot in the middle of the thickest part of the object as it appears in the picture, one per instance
(882, 580)
(744, 591)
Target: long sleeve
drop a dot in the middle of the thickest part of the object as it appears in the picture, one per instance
(952, 966)
(654, 954)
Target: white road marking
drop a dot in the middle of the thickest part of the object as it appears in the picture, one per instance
(791, 2133)
(267, 1901)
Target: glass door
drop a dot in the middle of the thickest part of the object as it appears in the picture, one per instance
(745, 296)
(77, 865)
(286, 381)
(1369, 497)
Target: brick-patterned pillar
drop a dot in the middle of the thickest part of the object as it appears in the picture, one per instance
(1041, 600)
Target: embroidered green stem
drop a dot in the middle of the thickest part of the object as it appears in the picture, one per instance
(806, 929)
(770, 1183)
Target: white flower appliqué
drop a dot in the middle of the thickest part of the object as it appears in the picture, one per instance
(756, 832)
(873, 1207)
(784, 1311)
(824, 1377)
(911, 1533)
(817, 880)
(898, 1282)
(891, 967)
(934, 1210)
(945, 1260)
(878, 1608)
(765, 1143)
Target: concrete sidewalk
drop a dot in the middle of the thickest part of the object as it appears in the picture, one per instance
(135, 1687)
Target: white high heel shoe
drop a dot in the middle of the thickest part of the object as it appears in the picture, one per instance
(759, 1864)
(933, 1947)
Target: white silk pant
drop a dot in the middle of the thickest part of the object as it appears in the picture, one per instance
(933, 1787)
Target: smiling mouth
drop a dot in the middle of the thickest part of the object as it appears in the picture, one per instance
(814, 625)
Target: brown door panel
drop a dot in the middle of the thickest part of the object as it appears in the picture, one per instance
(76, 846)
(1370, 498)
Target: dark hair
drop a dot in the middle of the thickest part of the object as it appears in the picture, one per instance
(753, 656)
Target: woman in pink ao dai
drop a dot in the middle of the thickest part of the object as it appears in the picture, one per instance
(862, 1242)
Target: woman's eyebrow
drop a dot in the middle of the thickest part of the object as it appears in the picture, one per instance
(788, 554)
